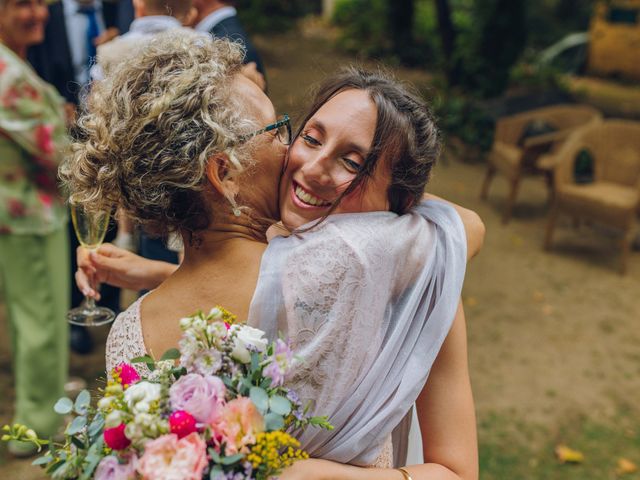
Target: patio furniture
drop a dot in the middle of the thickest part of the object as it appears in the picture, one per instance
(520, 140)
(612, 198)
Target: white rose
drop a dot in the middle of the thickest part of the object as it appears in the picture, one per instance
(113, 419)
(247, 337)
(144, 392)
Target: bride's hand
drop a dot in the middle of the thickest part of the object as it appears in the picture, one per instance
(310, 469)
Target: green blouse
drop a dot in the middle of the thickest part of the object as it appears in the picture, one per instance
(32, 141)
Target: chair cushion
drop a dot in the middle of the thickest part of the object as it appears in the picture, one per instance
(506, 158)
(607, 202)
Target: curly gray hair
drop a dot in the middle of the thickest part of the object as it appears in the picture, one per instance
(151, 128)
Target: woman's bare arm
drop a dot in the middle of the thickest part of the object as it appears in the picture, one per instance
(446, 412)
(473, 225)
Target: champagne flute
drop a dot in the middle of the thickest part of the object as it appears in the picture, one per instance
(90, 228)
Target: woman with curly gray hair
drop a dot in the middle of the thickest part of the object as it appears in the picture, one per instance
(368, 299)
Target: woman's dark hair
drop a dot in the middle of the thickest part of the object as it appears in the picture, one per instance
(406, 134)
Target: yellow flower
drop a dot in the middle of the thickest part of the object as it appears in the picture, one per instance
(275, 451)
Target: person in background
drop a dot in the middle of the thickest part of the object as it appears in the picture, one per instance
(53, 60)
(151, 17)
(34, 260)
(219, 18)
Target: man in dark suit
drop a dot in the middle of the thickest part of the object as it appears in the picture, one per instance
(53, 61)
(220, 19)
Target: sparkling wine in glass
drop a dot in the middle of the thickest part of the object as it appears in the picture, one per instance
(90, 228)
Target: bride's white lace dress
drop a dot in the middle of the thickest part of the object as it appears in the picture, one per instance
(366, 300)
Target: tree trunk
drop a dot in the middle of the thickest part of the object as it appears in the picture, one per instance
(448, 41)
(401, 14)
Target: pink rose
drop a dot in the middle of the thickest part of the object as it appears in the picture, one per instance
(201, 396)
(166, 458)
(115, 437)
(238, 425)
(127, 374)
(110, 468)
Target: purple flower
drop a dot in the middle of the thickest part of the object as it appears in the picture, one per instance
(201, 396)
(110, 468)
(280, 364)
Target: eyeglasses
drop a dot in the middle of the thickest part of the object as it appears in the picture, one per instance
(282, 127)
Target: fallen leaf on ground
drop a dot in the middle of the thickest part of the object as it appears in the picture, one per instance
(626, 466)
(547, 309)
(538, 296)
(568, 455)
(471, 301)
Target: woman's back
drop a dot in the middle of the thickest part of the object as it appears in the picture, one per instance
(223, 270)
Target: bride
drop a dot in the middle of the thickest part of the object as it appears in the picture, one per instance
(371, 300)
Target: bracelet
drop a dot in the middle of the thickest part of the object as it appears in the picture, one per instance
(405, 474)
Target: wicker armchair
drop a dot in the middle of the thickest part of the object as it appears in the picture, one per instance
(515, 154)
(613, 197)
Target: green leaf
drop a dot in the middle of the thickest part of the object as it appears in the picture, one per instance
(96, 426)
(266, 383)
(93, 458)
(280, 405)
(78, 443)
(215, 456)
(76, 426)
(231, 459)
(142, 359)
(63, 406)
(260, 398)
(44, 460)
(82, 402)
(215, 472)
(54, 466)
(255, 361)
(273, 422)
(171, 354)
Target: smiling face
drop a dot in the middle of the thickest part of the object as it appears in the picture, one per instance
(326, 157)
(22, 23)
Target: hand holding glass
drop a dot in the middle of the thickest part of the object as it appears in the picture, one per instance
(90, 228)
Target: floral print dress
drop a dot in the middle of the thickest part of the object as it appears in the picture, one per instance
(32, 140)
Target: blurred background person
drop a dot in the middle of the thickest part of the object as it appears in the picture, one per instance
(220, 19)
(34, 260)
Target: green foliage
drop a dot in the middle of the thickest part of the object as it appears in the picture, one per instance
(265, 16)
(465, 118)
(365, 30)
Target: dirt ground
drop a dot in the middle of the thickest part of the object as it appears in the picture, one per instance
(552, 335)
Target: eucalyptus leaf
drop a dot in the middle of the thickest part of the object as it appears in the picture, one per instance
(260, 398)
(231, 459)
(93, 458)
(280, 405)
(171, 354)
(82, 402)
(273, 422)
(215, 456)
(96, 426)
(42, 460)
(76, 426)
(63, 406)
(215, 473)
(255, 361)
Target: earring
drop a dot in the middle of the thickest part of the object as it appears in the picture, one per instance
(234, 207)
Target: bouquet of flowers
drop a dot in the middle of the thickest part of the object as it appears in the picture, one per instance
(218, 408)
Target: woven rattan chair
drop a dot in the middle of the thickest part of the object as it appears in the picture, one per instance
(613, 197)
(514, 154)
